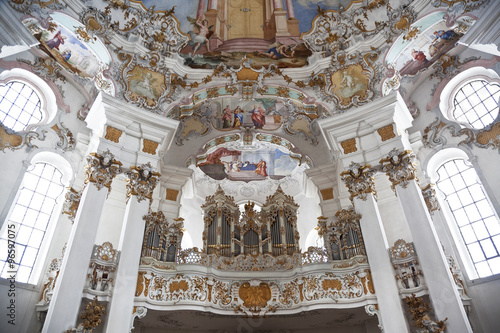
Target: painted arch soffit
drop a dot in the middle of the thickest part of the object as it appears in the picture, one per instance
(280, 111)
(249, 156)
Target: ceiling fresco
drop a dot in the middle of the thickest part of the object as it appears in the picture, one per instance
(258, 66)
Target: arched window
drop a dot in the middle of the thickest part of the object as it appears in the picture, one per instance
(25, 99)
(28, 226)
(19, 106)
(471, 98)
(474, 219)
(476, 103)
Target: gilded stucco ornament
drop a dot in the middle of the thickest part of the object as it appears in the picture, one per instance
(66, 140)
(45, 6)
(359, 180)
(145, 81)
(256, 297)
(429, 194)
(460, 6)
(142, 181)
(488, 137)
(13, 140)
(71, 203)
(91, 316)
(409, 275)
(101, 169)
(400, 167)
(159, 29)
(420, 316)
(337, 30)
(350, 80)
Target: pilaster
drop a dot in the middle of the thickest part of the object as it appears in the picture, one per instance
(65, 302)
(399, 167)
(359, 181)
(140, 185)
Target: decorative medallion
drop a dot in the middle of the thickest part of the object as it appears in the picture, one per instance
(145, 81)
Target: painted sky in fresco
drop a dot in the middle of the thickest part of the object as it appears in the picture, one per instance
(305, 10)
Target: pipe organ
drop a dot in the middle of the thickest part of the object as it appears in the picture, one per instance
(273, 230)
(221, 213)
(162, 240)
(342, 238)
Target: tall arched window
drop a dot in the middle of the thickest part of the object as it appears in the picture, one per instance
(473, 215)
(28, 226)
(19, 106)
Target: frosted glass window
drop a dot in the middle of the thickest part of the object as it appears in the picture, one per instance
(473, 213)
(476, 103)
(19, 106)
(26, 227)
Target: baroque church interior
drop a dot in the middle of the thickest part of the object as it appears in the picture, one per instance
(249, 166)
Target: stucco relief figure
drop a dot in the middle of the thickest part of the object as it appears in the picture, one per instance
(202, 36)
(143, 86)
(350, 85)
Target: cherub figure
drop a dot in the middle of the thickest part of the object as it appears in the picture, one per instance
(202, 36)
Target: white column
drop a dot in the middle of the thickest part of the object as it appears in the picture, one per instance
(386, 289)
(360, 183)
(65, 303)
(122, 302)
(443, 292)
(141, 184)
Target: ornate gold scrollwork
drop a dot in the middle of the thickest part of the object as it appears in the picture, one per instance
(359, 180)
(142, 181)
(420, 315)
(400, 168)
(101, 169)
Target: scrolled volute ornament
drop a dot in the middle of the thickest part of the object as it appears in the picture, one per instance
(142, 181)
(399, 167)
(101, 169)
(359, 180)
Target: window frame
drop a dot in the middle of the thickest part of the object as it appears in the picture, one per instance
(48, 102)
(66, 170)
(447, 97)
(457, 242)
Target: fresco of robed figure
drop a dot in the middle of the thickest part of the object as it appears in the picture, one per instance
(248, 165)
(229, 114)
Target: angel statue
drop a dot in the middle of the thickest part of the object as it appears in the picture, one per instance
(202, 36)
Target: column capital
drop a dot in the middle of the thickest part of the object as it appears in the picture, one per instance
(142, 181)
(101, 169)
(400, 167)
(359, 180)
